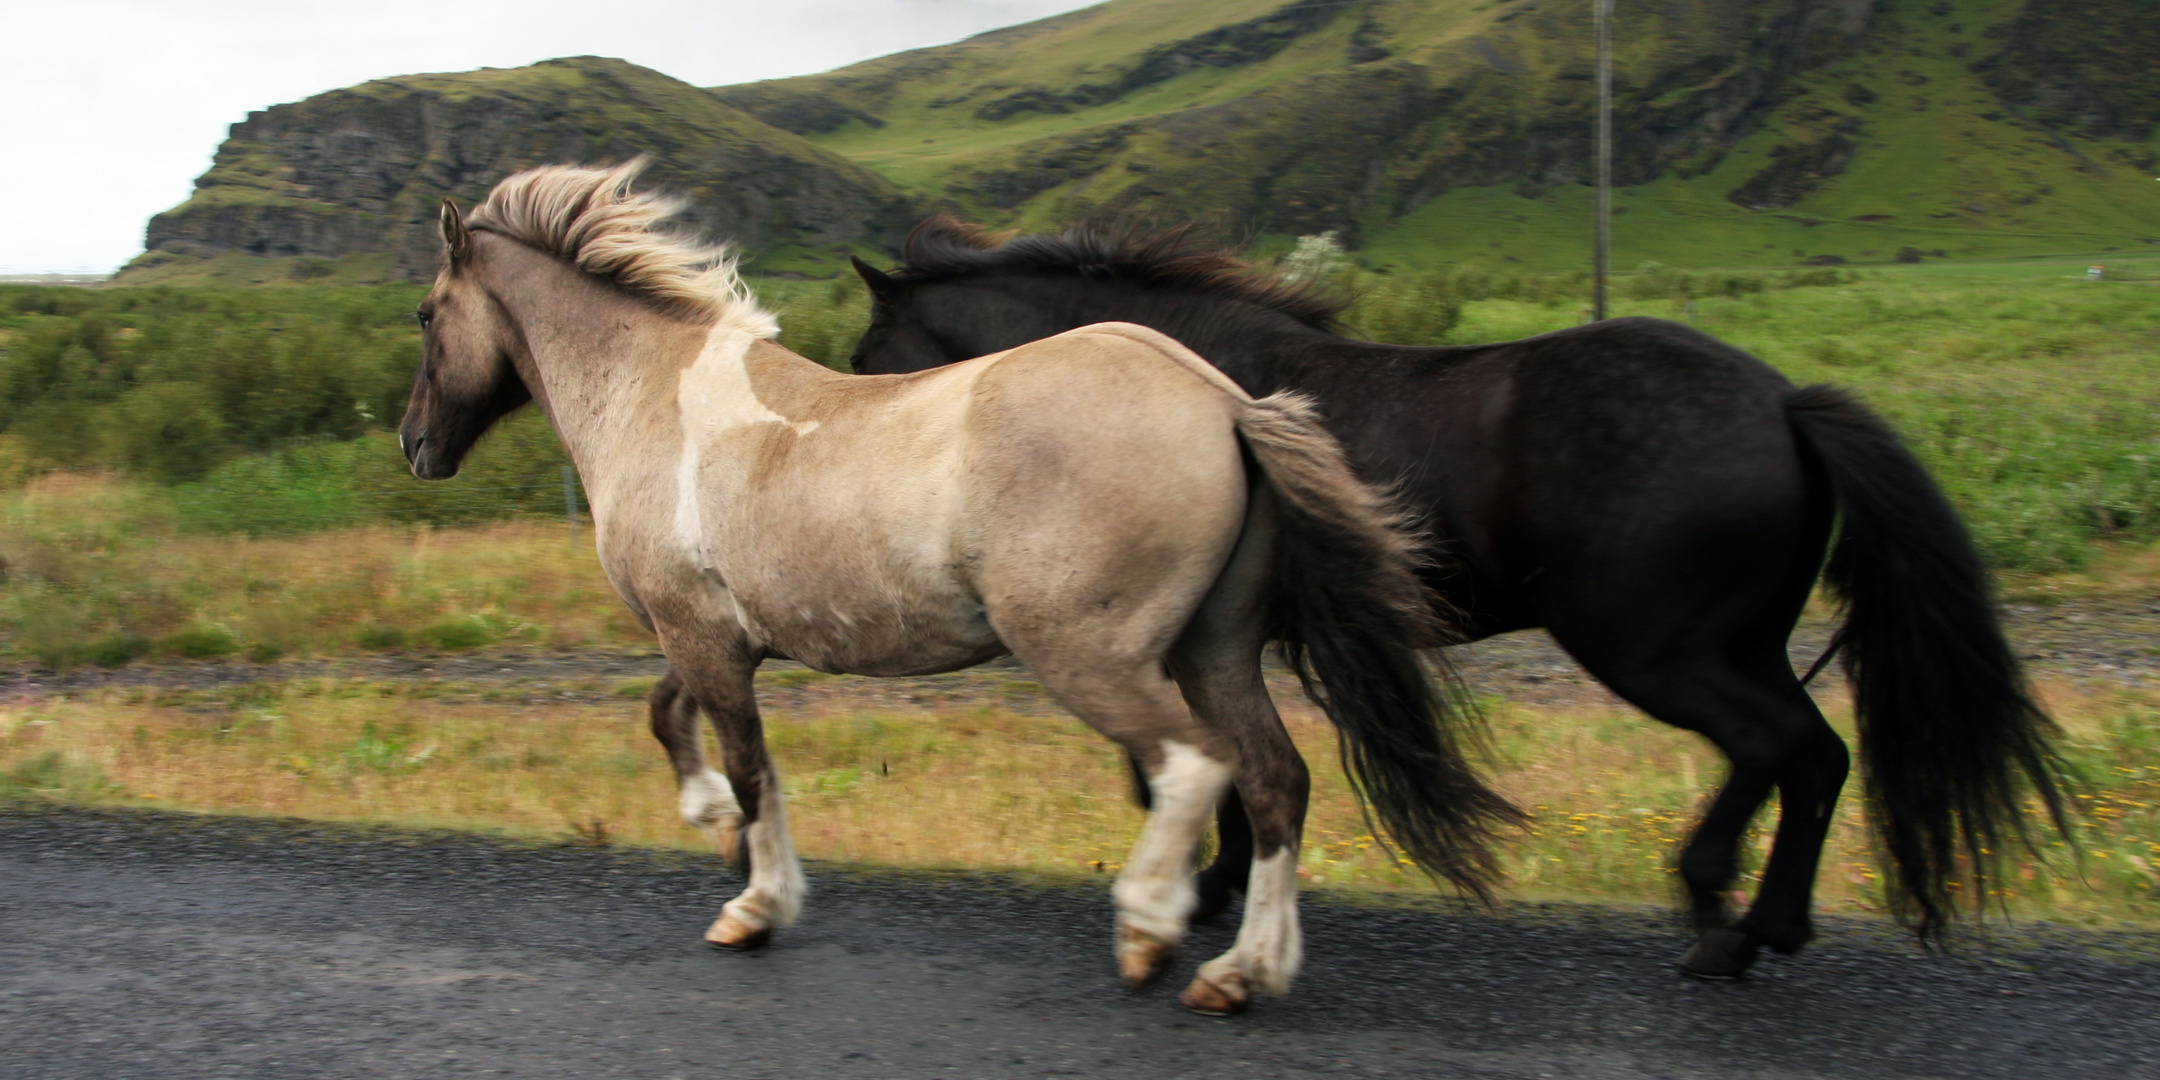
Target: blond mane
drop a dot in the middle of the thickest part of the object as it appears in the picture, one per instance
(591, 218)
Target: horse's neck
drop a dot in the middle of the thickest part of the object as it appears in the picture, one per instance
(627, 387)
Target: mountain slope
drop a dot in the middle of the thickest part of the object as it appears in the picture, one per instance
(1420, 131)
(345, 184)
(1447, 129)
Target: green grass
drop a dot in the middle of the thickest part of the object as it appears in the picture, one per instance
(98, 574)
(2028, 390)
(1003, 783)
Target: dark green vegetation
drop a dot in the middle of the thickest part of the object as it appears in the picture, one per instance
(1423, 132)
(2027, 388)
(272, 410)
(170, 383)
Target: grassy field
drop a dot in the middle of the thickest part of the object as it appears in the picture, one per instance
(97, 575)
(2029, 390)
(1003, 786)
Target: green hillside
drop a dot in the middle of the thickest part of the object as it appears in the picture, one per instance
(342, 187)
(1749, 131)
(1421, 132)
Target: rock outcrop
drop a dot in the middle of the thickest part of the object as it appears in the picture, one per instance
(360, 170)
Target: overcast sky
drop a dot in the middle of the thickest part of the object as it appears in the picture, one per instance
(109, 109)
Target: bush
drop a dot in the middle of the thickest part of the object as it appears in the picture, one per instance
(381, 637)
(202, 642)
(118, 650)
(167, 383)
(1409, 310)
(462, 632)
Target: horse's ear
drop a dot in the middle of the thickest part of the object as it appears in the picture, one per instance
(881, 284)
(455, 235)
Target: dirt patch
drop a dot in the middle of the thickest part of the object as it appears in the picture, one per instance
(2111, 639)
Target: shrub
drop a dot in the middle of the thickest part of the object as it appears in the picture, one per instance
(202, 642)
(462, 632)
(117, 650)
(380, 637)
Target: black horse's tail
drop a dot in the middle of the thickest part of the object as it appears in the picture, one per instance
(1950, 739)
(1351, 613)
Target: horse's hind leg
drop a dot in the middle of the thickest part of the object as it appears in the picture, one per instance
(1224, 879)
(706, 801)
(1756, 712)
(1216, 662)
(1812, 764)
(1221, 680)
(1184, 767)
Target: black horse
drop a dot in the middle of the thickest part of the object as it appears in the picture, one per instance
(1659, 501)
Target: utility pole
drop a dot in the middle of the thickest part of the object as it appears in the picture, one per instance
(1601, 17)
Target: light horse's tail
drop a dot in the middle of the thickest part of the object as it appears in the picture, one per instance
(1350, 613)
(1950, 739)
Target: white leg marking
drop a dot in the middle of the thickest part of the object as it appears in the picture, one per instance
(1269, 945)
(708, 802)
(1155, 894)
(776, 890)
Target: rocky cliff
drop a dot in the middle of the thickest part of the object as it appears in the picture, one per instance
(359, 171)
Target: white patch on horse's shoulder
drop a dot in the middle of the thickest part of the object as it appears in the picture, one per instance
(715, 393)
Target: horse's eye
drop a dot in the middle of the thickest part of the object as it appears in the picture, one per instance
(427, 319)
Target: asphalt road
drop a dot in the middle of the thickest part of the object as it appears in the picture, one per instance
(143, 945)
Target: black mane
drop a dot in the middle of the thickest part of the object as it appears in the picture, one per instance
(945, 247)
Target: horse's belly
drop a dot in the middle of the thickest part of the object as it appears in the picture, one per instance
(913, 635)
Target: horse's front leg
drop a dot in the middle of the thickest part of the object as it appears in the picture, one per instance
(774, 896)
(705, 799)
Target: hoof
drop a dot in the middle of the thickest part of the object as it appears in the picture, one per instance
(1141, 956)
(729, 932)
(1721, 954)
(1210, 999)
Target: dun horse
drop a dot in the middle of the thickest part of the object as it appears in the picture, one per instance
(1104, 505)
(1659, 500)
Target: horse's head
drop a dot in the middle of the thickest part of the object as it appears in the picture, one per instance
(900, 337)
(468, 376)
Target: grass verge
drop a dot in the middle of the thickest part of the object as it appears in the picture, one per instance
(996, 788)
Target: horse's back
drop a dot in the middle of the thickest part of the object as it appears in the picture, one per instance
(1104, 472)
